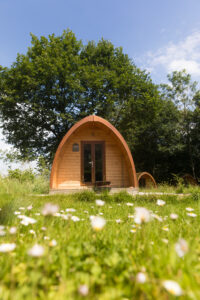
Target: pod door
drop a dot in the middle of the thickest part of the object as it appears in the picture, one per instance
(92, 162)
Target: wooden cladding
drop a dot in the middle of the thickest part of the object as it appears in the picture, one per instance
(115, 158)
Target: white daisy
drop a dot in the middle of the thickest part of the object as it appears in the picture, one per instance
(98, 223)
(13, 230)
(75, 218)
(26, 220)
(172, 287)
(189, 209)
(52, 243)
(70, 209)
(141, 277)
(190, 214)
(36, 251)
(129, 204)
(7, 247)
(30, 207)
(160, 202)
(99, 202)
(173, 216)
(50, 209)
(83, 290)
(142, 215)
(181, 247)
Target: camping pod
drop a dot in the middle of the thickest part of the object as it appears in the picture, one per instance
(189, 180)
(92, 154)
(146, 180)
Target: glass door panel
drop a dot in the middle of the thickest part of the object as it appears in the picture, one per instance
(98, 162)
(87, 162)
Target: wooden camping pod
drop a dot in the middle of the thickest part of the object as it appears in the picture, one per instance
(93, 152)
(145, 179)
(189, 179)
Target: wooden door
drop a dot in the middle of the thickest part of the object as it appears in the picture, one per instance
(92, 162)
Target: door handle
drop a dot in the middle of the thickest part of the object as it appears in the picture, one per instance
(91, 163)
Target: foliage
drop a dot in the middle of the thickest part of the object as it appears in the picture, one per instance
(182, 91)
(58, 82)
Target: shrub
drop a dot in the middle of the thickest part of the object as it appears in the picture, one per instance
(22, 176)
(87, 196)
(122, 196)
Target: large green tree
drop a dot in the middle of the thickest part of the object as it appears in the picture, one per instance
(59, 81)
(183, 92)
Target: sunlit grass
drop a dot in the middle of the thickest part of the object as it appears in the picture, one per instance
(106, 262)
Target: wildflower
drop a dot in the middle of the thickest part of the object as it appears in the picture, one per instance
(32, 232)
(36, 251)
(189, 209)
(165, 228)
(2, 232)
(17, 213)
(118, 221)
(30, 207)
(100, 202)
(129, 204)
(101, 213)
(75, 219)
(7, 247)
(172, 287)
(160, 202)
(141, 277)
(165, 241)
(131, 216)
(50, 209)
(70, 209)
(157, 217)
(52, 243)
(174, 216)
(26, 220)
(142, 215)
(190, 214)
(37, 214)
(133, 230)
(83, 290)
(181, 247)
(44, 228)
(13, 230)
(21, 208)
(98, 223)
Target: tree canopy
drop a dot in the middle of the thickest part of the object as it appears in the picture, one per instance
(59, 81)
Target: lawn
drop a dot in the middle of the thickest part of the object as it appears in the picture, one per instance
(123, 260)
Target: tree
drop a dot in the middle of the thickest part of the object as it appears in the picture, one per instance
(183, 92)
(59, 81)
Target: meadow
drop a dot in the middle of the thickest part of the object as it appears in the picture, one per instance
(50, 247)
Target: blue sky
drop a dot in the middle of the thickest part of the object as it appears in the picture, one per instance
(160, 36)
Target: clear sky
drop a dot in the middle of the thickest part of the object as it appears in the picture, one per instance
(160, 36)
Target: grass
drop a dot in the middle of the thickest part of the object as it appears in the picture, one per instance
(107, 261)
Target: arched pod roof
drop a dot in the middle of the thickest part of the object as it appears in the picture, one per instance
(146, 175)
(104, 123)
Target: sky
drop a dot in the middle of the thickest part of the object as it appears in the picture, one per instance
(160, 36)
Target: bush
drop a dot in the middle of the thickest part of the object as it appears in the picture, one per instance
(122, 196)
(87, 196)
(22, 176)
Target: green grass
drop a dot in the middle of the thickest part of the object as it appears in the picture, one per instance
(106, 261)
